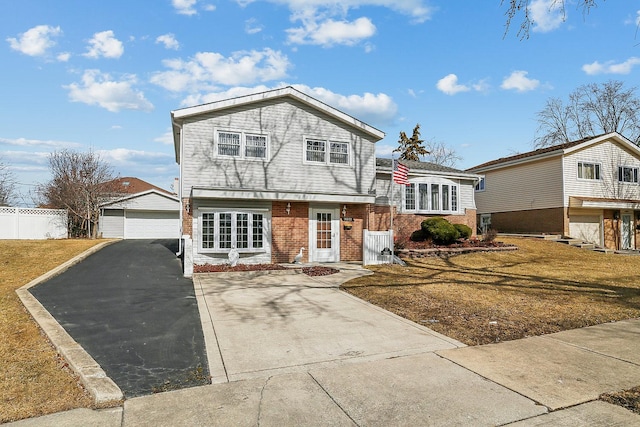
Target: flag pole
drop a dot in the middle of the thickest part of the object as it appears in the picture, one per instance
(391, 206)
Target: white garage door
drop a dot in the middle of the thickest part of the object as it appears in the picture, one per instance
(585, 227)
(152, 225)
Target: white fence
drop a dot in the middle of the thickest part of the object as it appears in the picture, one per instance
(374, 243)
(32, 223)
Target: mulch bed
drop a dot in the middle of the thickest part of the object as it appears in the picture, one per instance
(424, 249)
(224, 268)
(629, 399)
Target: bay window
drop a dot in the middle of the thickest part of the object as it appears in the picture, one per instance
(431, 198)
(242, 230)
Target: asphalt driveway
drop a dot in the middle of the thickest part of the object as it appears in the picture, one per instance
(131, 309)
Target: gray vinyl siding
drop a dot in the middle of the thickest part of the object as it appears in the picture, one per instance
(286, 122)
(112, 223)
(148, 202)
(609, 156)
(535, 185)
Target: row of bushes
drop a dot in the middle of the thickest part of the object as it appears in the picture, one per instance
(440, 231)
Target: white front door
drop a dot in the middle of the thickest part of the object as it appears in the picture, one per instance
(324, 235)
(626, 235)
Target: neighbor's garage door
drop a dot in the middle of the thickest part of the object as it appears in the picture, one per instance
(152, 225)
(585, 227)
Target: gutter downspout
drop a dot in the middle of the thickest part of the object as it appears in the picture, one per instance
(179, 189)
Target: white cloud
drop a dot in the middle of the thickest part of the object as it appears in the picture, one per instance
(122, 157)
(63, 57)
(610, 67)
(546, 15)
(36, 41)
(185, 7)
(24, 142)
(638, 18)
(206, 70)
(519, 81)
(251, 26)
(450, 86)
(166, 138)
(330, 32)
(209, 7)
(100, 89)
(371, 108)
(104, 44)
(169, 41)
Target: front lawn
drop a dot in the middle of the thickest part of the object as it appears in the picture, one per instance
(482, 298)
(33, 379)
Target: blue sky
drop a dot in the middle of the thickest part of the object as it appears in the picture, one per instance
(104, 75)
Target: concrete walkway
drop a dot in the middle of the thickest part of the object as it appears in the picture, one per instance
(288, 349)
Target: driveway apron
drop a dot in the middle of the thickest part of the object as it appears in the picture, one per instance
(131, 309)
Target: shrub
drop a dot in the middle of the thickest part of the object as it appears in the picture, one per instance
(489, 235)
(464, 230)
(440, 230)
(418, 236)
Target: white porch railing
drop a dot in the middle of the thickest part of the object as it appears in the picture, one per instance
(374, 243)
(32, 223)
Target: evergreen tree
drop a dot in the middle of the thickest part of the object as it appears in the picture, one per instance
(411, 148)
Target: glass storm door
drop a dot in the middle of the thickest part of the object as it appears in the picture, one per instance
(625, 232)
(324, 236)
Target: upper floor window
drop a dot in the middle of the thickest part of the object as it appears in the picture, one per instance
(431, 197)
(588, 170)
(240, 144)
(316, 152)
(627, 174)
(480, 185)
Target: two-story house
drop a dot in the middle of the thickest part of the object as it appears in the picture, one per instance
(587, 189)
(270, 173)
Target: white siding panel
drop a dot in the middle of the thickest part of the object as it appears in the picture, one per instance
(287, 123)
(112, 223)
(149, 202)
(535, 185)
(609, 155)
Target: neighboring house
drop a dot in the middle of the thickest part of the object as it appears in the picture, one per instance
(270, 173)
(587, 189)
(433, 190)
(139, 210)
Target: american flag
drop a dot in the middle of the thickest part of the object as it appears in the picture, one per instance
(400, 173)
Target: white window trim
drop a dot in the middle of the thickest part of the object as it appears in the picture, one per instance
(428, 183)
(243, 145)
(327, 152)
(636, 174)
(481, 185)
(216, 249)
(583, 162)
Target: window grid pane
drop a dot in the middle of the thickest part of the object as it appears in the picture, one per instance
(454, 198)
(339, 153)
(242, 231)
(257, 231)
(208, 230)
(435, 197)
(315, 151)
(228, 144)
(445, 197)
(323, 230)
(410, 197)
(256, 146)
(423, 197)
(225, 231)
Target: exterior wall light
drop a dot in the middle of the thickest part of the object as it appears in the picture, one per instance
(288, 208)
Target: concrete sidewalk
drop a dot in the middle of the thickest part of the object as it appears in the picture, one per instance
(287, 349)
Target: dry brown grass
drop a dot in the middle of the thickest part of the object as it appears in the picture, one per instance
(482, 298)
(33, 379)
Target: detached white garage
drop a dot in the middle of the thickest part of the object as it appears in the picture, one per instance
(147, 215)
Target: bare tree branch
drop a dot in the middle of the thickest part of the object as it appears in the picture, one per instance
(592, 109)
(521, 7)
(80, 183)
(8, 192)
(441, 154)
